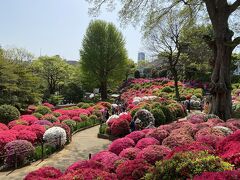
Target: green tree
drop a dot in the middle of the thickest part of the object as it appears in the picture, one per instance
(130, 68)
(220, 12)
(103, 55)
(54, 72)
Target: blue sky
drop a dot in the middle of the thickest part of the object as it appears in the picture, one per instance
(55, 27)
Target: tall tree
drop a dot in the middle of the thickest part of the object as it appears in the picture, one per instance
(223, 42)
(164, 43)
(53, 70)
(130, 68)
(103, 55)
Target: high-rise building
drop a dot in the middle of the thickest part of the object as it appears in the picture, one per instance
(141, 56)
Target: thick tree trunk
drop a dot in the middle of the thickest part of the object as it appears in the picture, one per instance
(175, 76)
(104, 90)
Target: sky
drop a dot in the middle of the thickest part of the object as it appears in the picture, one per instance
(55, 27)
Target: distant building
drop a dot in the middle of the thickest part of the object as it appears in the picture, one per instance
(72, 62)
(237, 70)
(141, 56)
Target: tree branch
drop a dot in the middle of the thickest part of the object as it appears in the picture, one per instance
(236, 42)
(234, 6)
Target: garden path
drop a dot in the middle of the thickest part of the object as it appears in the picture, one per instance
(82, 144)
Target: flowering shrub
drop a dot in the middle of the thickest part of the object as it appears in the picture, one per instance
(77, 119)
(44, 173)
(38, 130)
(225, 130)
(3, 127)
(27, 135)
(145, 116)
(177, 140)
(63, 117)
(136, 135)
(88, 173)
(21, 127)
(6, 137)
(23, 150)
(29, 118)
(187, 165)
(48, 105)
(45, 123)
(53, 136)
(65, 127)
(231, 175)
(153, 153)
(143, 143)
(196, 118)
(8, 113)
(120, 128)
(129, 153)
(118, 145)
(85, 164)
(17, 122)
(49, 117)
(158, 134)
(125, 115)
(108, 159)
(37, 115)
(70, 123)
(132, 169)
(111, 118)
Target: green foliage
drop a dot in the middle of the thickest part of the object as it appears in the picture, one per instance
(55, 99)
(47, 150)
(137, 74)
(37, 115)
(84, 117)
(167, 89)
(72, 92)
(8, 113)
(168, 114)
(186, 165)
(103, 128)
(43, 110)
(72, 124)
(159, 116)
(103, 56)
(93, 119)
(83, 105)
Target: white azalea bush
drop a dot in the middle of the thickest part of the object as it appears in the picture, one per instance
(53, 134)
(137, 100)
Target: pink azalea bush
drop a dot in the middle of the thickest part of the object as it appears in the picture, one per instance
(3, 127)
(129, 153)
(177, 140)
(136, 135)
(27, 135)
(44, 173)
(143, 143)
(132, 169)
(6, 137)
(153, 153)
(29, 118)
(120, 144)
(38, 130)
(17, 122)
(228, 175)
(120, 127)
(158, 134)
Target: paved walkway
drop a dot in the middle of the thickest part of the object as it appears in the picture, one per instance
(82, 144)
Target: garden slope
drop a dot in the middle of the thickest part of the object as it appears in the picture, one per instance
(82, 144)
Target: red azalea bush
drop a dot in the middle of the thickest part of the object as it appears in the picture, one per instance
(129, 153)
(108, 159)
(17, 122)
(23, 148)
(48, 105)
(127, 116)
(196, 118)
(86, 164)
(21, 127)
(3, 127)
(6, 137)
(234, 122)
(27, 135)
(77, 119)
(177, 140)
(158, 134)
(63, 117)
(44, 173)
(29, 118)
(143, 143)
(132, 169)
(38, 130)
(153, 153)
(88, 173)
(225, 175)
(120, 128)
(136, 135)
(120, 144)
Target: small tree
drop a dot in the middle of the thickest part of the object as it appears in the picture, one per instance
(103, 55)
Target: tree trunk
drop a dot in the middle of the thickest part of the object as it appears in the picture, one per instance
(104, 90)
(175, 76)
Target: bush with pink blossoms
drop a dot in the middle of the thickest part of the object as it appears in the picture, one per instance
(120, 144)
(225, 175)
(120, 128)
(6, 137)
(49, 117)
(228, 125)
(27, 135)
(234, 122)
(136, 135)
(51, 106)
(77, 119)
(214, 121)
(167, 127)
(85, 164)
(108, 159)
(17, 122)
(44, 123)
(126, 115)
(23, 150)
(63, 117)
(89, 174)
(44, 173)
(158, 134)
(196, 118)
(145, 142)
(133, 169)
(65, 127)
(38, 130)
(177, 140)
(3, 127)
(21, 127)
(129, 153)
(209, 131)
(29, 118)
(153, 153)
